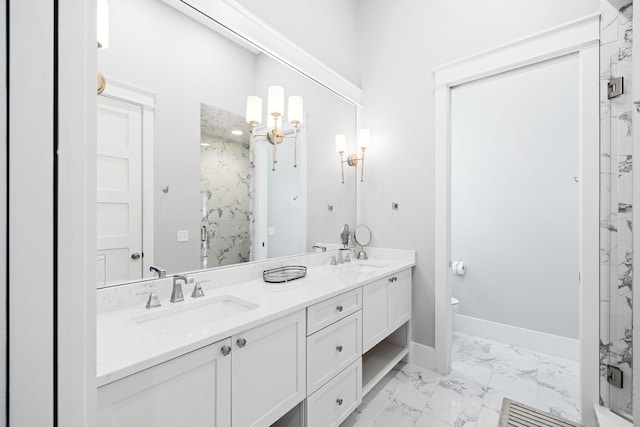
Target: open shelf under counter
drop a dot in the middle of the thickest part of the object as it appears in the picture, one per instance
(380, 360)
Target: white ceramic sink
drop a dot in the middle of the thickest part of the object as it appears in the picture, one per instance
(193, 316)
(368, 268)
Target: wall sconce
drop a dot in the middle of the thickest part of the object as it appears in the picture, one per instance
(275, 113)
(353, 159)
(102, 27)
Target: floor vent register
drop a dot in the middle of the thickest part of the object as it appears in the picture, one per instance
(515, 414)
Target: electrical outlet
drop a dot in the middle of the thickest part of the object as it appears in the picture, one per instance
(183, 235)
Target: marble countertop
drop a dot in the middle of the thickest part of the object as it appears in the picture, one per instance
(125, 346)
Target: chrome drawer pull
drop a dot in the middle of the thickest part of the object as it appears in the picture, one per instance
(339, 348)
(339, 308)
(339, 401)
(225, 350)
(241, 342)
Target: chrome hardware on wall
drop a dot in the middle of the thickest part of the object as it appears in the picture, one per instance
(225, 350)
(339, 308)
(241, 342)
(615, 87)
(339, 401)
(339, 348)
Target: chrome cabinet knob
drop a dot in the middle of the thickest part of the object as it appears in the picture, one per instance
(225, 350)
(339, 401)
(241, 342)
(339, 308)
(339, 348)
(135, 255)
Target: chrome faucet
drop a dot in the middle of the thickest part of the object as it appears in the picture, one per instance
(323, 248)
(176, 292)
(160, 272)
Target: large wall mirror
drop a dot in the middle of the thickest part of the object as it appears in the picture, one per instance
(176, 184)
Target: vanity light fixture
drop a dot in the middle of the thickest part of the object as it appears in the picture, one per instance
(352, 159)
(275, 114)
(102, 27)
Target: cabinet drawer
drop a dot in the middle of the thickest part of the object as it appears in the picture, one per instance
(326, 312)
(332, 349)
(332, 403)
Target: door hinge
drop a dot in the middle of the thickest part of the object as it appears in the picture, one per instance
(614, 376)
(615, 87)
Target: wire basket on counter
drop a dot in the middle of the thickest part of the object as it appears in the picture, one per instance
(284, 274)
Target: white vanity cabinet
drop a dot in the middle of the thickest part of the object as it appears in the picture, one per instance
(386, 305)
(268, 371)
(192, 390)
(386, 310)
(334, 359)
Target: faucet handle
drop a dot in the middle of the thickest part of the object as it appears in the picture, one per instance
(153, 300)
(333, 261)
(197, 289)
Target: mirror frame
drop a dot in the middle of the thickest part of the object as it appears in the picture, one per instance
(236, 23)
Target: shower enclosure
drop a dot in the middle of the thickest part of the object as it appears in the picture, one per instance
(616, 231)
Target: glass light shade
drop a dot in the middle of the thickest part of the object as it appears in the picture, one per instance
(254, 109)
(275, 102)
(341, 143)
(365, 138)
(103, 24)
(295, 109)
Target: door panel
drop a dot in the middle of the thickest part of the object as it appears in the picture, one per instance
(119, 190)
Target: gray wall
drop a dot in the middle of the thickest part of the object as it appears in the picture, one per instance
(514, 198)
(400, 43)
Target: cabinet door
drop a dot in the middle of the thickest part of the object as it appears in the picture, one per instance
(268, 371)
(191, 390)
(375, 317)
(399, 299)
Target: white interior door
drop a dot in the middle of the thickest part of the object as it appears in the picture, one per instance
(119, 191)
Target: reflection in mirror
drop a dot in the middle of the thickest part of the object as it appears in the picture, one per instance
(187, 79)
(362, 236)
(225, 235)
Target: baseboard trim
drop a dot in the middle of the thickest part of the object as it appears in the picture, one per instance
(422, 355)
(554, 345)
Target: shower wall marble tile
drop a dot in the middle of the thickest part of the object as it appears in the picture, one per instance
(616, 175)
(224, 189)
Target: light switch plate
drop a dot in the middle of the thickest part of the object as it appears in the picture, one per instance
(183, 235)
(271, 231)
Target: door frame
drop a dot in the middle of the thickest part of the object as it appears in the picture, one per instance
(146, 100)
(579, 37)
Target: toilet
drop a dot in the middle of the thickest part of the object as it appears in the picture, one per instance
(455, 303)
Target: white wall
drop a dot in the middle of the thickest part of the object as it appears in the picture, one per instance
(400, 43)
(514, 197)
(327, 29)
(155, 47)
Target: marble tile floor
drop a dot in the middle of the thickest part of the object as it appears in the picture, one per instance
(483, 373)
